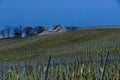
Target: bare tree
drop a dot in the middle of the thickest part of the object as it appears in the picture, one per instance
(72, 28)
(18, 32)
(29, 31)
(2, 34)
(8, 32)
(39, 29)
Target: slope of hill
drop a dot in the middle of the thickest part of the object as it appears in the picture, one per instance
(60, 45)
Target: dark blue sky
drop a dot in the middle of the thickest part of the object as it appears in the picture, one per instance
(64, 12)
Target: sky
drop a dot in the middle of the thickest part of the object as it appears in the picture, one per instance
(65, 12)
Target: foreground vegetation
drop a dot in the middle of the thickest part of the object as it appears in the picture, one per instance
(77, 55)
(73, 68)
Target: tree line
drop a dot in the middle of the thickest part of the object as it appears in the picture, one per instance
(19, 31)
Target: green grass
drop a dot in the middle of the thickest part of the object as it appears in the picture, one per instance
(60, 45)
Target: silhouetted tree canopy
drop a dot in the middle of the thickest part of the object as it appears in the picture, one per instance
(39, 29)
(5, 33)
(29, 31)
(18, 32)
(2, 33)
(72, 28)
(8, 32)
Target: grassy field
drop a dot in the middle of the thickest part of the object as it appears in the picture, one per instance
(76, 55)
(60, 46)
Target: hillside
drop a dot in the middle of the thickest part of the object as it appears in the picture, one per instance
(60, 45)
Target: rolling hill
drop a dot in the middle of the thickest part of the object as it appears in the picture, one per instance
(62, 45)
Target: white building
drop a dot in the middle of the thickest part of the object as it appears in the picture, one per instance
(56, 29)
